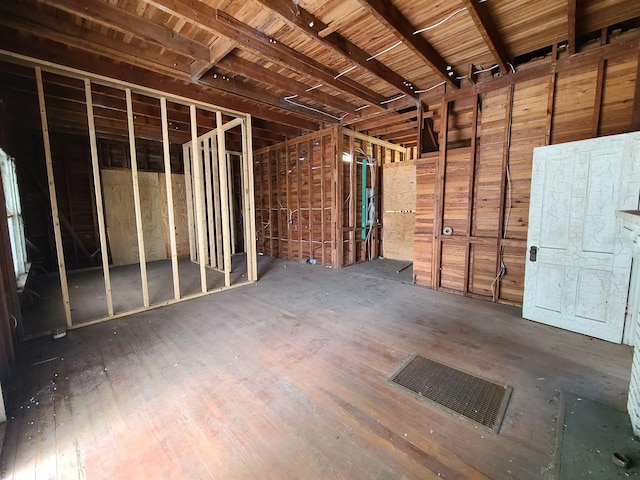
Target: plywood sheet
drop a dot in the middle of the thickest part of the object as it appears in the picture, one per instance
(179, 212)
(399, 204)
(120, 216)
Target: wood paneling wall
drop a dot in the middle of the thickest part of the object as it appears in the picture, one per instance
(478, 185)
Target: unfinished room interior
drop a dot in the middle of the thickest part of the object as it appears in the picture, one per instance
(314, 239)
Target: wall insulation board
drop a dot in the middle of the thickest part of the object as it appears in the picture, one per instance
(399, 210)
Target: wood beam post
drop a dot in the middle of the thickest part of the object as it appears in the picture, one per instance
(572, 35)
(471, 190)
(635, 119)
(438, 206)
(551, 97)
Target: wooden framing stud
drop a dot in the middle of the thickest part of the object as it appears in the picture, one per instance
(198, 196)
(97, 188)
(188, 183)
(169, 187)
(136, 200)
(249, 201)
(224, 195)
(53, 198)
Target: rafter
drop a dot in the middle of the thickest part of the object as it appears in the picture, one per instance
(389, 15)
(84, 40)
(33, 22)
(248, 38)
(289, 85)
(131, 24)
(312, 26)
(489, 32)
(572, 34)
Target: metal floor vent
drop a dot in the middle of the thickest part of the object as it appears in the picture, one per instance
(459, 392)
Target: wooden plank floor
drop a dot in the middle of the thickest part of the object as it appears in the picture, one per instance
(288, 379)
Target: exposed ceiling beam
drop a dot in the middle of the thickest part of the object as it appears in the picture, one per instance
(387, 14)
(220, 49)
(487, 28)
(572, 35)
(237, 87)
(312, 26)
(36, 23)
(10, 40)
(292, 87)
(248, 38)
(131, 24)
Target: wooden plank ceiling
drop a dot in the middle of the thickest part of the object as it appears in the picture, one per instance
(296, 65)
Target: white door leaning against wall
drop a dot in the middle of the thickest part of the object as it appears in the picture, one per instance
(577, 268)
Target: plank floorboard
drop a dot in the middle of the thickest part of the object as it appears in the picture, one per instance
(288, 378)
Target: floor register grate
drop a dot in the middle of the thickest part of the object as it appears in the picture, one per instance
(459, 392)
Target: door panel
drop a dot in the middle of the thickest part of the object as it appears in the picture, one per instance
(580, 276)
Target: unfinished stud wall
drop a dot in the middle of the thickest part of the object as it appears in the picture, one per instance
(313, 209)
(295, 190)
(478, 183)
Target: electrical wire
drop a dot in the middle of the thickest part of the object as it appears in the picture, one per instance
(384, 51)
(346, 71)
(437, 24)
(288, 100)
(430, 88)
(482, 70)
(393, 99)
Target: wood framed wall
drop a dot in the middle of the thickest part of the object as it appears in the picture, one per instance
(225, 122)
(478, 182)
(295, 188)
(309, 196)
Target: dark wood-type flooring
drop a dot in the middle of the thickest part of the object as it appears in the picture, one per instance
(288, 379)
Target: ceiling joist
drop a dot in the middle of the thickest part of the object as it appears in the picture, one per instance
(248, 38)
(312, 26)
(389, 15)
(11, 41)
(36, 23)
(131, 24)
